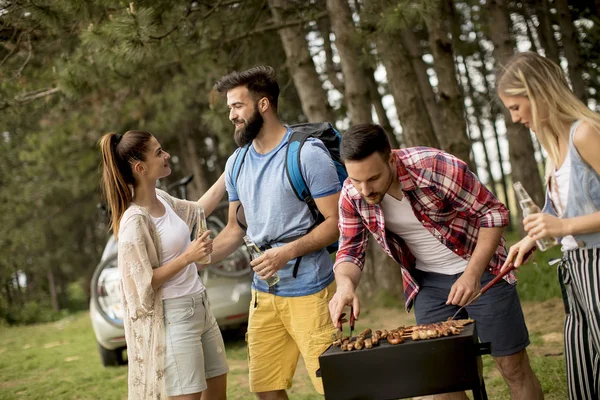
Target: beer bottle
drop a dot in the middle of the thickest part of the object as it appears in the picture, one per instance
(529, 207)
(203, 228)
(255, 253)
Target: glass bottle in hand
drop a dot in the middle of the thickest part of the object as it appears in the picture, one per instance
(203, 228)
(254, 254)
(529, 207)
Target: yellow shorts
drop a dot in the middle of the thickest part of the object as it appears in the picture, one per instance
(282, 328)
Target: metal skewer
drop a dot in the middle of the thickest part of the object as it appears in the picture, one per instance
(352, 319)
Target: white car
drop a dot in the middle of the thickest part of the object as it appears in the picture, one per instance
(227, 284)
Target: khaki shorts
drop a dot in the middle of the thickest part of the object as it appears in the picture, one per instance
(195, 349)
(282, 328)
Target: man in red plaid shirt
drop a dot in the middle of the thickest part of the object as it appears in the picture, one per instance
(444, 228)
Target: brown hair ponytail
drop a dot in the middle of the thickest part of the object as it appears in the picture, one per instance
(118, 153)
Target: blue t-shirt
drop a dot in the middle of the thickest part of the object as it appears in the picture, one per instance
(274, 212)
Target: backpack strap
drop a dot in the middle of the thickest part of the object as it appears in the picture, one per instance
(235, 174)
(290, 239)
(293, 171)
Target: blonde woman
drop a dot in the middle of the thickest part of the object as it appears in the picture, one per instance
(536, 92)
(174, 345)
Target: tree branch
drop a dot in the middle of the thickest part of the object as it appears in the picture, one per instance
(29, 96)
(275, 27)
(13, 50)
(187, 14)
(18, 73)
(36, 94)
(225, 4)
(325, 27)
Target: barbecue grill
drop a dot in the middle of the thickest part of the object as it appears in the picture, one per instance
(412, 368)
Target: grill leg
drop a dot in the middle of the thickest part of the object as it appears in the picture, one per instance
(479, 392)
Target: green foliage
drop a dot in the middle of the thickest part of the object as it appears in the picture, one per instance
(589, 37)
(80, 69)
(73, 70)
(383, 298)
(78, 299)
(30, 312)
(537, 280)
(394, 16)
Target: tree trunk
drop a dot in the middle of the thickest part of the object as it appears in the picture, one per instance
(530, 28)
(477, 114)
(411, 44)
(493, 117)
(330, 66)
(545, 30)
(380, 273)
(454, 139)
(19, 290)
(302, 68)
(522, 159)
(384, 121)
(193, 149)
(570, 44)
(7, 286)
(63, 293)
(412, 112)
(349, 49)
(52, 288)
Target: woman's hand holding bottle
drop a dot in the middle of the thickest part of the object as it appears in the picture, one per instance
(199, 248)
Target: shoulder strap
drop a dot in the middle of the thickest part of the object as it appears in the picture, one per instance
(235, 174)
(573, 152)
(293, 170)
(237, 164)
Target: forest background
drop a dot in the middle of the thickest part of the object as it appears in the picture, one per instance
(71, 70)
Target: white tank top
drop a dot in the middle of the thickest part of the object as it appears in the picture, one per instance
(175, 238)
(431, 255)
(559, 196)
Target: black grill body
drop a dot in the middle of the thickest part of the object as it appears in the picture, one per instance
(412, 368)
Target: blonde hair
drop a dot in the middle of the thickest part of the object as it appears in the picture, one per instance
(543, 82)
(118, 154)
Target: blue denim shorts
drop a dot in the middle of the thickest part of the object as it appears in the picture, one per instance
(195, 349)
(497, 313)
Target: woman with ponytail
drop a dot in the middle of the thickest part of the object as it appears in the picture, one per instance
(174, 345)
(537, 94)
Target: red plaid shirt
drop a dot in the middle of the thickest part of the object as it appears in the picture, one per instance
(445, 196)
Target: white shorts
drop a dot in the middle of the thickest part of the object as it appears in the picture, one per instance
(195, 349)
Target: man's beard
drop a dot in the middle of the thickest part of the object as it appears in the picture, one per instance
(249, 131)
(376, 198)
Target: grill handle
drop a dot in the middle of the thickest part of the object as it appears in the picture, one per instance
(484, 348)
(318, 373)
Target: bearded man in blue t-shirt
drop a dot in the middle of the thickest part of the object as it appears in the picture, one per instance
(291, 317)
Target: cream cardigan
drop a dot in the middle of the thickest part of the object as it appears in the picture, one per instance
(138, 254)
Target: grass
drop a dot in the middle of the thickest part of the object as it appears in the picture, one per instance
(59, 360)
(56, 360)
(537, 279)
